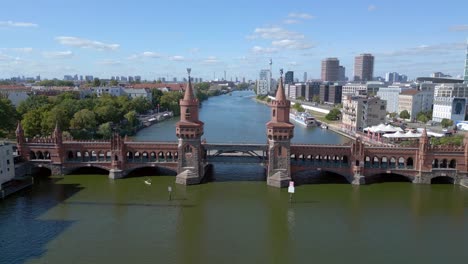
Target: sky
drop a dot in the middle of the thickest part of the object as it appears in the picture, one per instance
(155, 38)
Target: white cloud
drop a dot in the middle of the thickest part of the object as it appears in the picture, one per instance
(300, 15)
(109, 62)
(211, 60)
(371, 8)
(262, 50)
(145, 54)
(4, 57)
(19, 50)
(275, 33)
(177, 58)
(86, 43)
(291, 21)
(10, 23)
(459, 28)
(194, 50)
(58, 54)
(424, 50)
(291, 44)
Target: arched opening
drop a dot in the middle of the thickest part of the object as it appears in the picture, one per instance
(145, 157)
(129, 156)
(384, 163)
(375, 162)
(70, 155)
(392, 162)
(357, 163)
(453, 164)
(401, 163)
(387, 177)
(47, 155)
(319, 177)
(367, 162)
(32, 155)
(345, 160)
(116, 158)
(161, 154)
(435, 163)
(151, 171)
(89, 170)
(86, 156)
(274, 112)
(293, 157)
(187, 149)
(39, 155)
(108, 156)
(169, 156)
(41, 172)
(187, 113)
(176, 156)
(137, 157)
(153, 156)
(94, 156)
(101, 156)
(409, 163)
(79, 156)
(444, 164)
(442, 180)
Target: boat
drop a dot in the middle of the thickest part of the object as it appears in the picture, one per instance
(148, 182)
(324, 126)
(303, 118)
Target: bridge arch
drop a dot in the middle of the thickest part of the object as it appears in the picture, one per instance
(32, 155)
(388, 177)
(453, 164)
(93, 169)
(324, 176)
(145, 170)
(442, 180)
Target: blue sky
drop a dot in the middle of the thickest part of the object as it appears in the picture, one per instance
(162, 38)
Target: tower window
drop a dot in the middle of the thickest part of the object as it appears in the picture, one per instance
(187, 113)
(274, 112)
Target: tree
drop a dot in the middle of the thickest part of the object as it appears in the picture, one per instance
(393, 115)
(31, 103)
(132, 118)
(422, 117)
(334, 114)
(301, 98)
(170, 101)
(105, 130)
(97, 82)
(84, 120)
(446, 123)
(405, 114)
(316, 99)
(113, 82)
(31, 122)
(156, 95)
(8, 117)
(140, 104)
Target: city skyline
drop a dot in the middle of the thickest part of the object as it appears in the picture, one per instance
(103, 42)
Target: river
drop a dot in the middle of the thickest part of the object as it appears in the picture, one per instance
(236, 218)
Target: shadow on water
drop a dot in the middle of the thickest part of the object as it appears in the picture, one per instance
(89, 170)
(319, 177)
(151, 171)
(23, 235)
(136, 204)
(387, 177)
(223, 172)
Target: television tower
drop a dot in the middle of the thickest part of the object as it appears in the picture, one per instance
(466, 64)
(271, 77)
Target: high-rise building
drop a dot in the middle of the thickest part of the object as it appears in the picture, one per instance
(305, 76)
(466, 64)
(342, 74)
(330, 69)
(264, 82)
(363, 67)
(289, 77)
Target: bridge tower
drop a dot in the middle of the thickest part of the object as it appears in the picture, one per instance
(20, 141)
(279, 133)
(56, 155)
(117, 157)
(190, 167)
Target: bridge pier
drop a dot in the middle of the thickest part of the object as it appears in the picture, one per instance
(116, 174)
(358, 179)
(280, 179)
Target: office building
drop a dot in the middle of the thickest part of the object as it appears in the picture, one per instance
(330, 94)
(415, 101)
(330, 70)
(342, 74)
(364, 67)
(305, 77)
(289, 77)
(466, 64)
(450, 100)
(312, 89)
(391, 95)
(264, 82)
(440, 75)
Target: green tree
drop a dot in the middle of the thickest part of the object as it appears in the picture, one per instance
(456, 140)
(204, 86)
(422, 117)
(113, 82)
(393, 114)
(170, 101)
(140, 105)
(316, 99)
(31, 122)
(84, 120)
(31, 103)
(8, 117)
(56, 115)
(446, 123)
(156, 95)
(301, 98)
(132, 117)
(405, 114)
(105, 130)
(334, 114)
(97, 82)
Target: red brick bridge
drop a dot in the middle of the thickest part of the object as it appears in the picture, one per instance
(188, 158)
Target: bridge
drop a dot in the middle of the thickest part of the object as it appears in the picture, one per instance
(189, 157)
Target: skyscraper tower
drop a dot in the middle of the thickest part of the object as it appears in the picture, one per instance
(330, 69)
(466, 63)
(189, 130)
(364, 67)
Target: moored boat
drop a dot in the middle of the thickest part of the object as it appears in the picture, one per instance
(303, 118)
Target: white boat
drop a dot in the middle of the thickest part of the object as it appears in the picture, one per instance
(324, 126)
(148, 182)
(303, 118)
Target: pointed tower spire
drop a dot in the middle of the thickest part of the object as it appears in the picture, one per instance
(19, 128)
(280, 96)
(189, 91)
